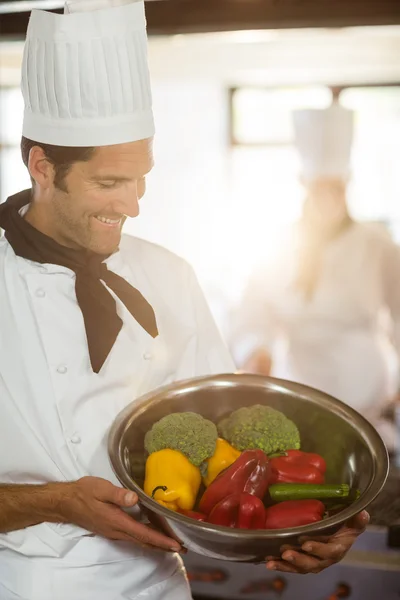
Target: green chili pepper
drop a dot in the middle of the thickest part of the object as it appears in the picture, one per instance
(280, 492)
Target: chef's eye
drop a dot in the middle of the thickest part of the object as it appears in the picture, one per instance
(108, 185)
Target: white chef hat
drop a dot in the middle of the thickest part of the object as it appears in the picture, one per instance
(85, 78)
(324, 140)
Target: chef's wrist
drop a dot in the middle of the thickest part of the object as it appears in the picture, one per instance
(56, 500)
(48, 502)
(28, 505)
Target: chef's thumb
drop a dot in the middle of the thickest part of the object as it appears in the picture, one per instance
(124, 498)
(359, 522)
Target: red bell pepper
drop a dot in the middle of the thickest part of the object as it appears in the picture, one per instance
(240, 510)
(192, 514)
(296, 466)
(249, 473)
(294, 513)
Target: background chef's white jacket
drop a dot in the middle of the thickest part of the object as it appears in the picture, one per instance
(333, 341)
(55, 412)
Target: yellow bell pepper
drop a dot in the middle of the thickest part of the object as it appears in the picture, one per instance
(172, 480)
(224, 456)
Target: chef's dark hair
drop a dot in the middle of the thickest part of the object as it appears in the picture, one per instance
(61, 157)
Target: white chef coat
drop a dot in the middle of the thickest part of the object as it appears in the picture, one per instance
(332, 341)
(56, 413)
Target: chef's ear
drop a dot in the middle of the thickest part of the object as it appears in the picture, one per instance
(40, 168)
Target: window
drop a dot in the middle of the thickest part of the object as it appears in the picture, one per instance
(263, 116)
(375, 190)
(265, 190)
(265, 195)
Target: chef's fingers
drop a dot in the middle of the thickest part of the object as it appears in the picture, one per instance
(281, 565)
(354, 526)
(288, 547)
(324, 539)
(304, 563)
(145, 535)
(107, 492)
(333, 551)
(127, 538)
(359, 522)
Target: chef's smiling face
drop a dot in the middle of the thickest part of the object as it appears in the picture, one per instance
(96, 196)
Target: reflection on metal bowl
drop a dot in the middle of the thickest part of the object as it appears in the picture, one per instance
(354, 452)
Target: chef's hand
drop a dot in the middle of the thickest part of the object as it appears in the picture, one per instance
(319, 553)
(97, 505)
(259, 362)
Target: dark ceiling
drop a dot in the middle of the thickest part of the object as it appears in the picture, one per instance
(195, 16)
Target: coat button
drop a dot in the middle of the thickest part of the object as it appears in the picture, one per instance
(147, 356)
(75, 439)
(62, 369)
(40, 293)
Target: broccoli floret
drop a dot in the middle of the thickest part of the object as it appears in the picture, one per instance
(260, 427)
(188, 432)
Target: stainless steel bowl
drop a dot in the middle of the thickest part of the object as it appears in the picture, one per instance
(354, 452)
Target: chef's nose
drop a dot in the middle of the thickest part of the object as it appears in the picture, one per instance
(128, 201)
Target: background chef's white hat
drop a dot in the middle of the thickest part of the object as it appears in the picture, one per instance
(85, 78)
(324, 140)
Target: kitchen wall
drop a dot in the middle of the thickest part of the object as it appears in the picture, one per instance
(224, 208)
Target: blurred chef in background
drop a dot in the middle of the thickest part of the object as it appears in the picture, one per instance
(324, 293)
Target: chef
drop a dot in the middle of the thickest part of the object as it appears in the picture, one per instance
(91, 320)
(325, 291)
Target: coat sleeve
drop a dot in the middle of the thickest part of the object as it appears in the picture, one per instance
(212, 354)
(254, 322)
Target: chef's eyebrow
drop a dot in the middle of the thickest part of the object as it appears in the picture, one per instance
(111, 178)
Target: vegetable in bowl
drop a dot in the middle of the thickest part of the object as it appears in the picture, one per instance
(254, 475)
(261, 427)
(187, 432)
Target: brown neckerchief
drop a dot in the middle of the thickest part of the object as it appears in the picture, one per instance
(99, 311)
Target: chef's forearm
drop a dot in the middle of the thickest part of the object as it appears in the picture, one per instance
(22, 506)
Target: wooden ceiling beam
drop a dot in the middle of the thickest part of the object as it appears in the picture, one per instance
(197, 16)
